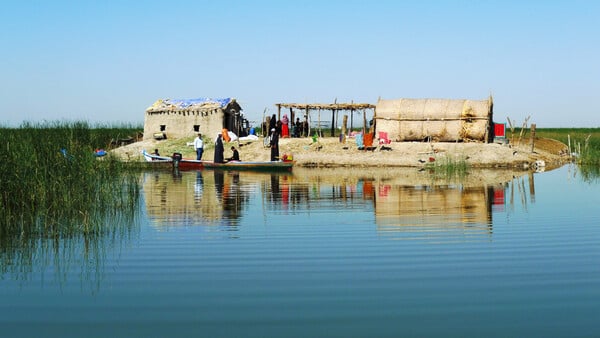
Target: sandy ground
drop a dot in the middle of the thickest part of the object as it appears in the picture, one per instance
(330, 152)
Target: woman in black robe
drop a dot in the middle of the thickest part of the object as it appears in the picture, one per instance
(219, 149)
(274, 145)
(272, 122)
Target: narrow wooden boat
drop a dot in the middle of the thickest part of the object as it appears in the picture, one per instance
(190, 164)
(156, 158)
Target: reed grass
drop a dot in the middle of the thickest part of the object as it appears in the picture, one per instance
(50, 194)
(63, 209)
(450, 168)
(584, 142)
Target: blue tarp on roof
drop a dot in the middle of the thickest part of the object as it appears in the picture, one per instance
(198, 103)
(185, 103)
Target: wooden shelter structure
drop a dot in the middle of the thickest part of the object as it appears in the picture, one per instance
(335, 108)
(441, 120)
(176, 118)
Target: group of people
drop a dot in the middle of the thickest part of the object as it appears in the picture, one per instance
(283, 126)
(235, 155)
(300, 128)
(219, 149)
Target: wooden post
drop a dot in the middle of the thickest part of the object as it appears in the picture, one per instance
(532, 136)
(372, 127)
(319, 122)
(523, 129)
(351, 119)
(333, 123)
(344, 129)
(375, 118)
(337, 118)
(364, 122)
(308, 120)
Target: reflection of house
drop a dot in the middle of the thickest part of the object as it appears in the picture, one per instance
(439, 120)
(171, 118)
(196, 198)
(185, 200)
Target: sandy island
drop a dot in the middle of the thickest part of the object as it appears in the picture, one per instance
(330, 152)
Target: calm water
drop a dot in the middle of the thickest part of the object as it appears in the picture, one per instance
(323, 253)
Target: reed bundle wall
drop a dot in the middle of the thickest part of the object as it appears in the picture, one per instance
(441, 120)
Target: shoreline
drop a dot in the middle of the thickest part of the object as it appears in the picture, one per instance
(329, 152)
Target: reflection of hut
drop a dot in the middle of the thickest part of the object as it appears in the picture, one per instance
(439, 120)
(212, 197)
(437, 207)
(182, 118)
(191, 199)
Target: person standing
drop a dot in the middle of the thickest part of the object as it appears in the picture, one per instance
(285, 122)
(273, 122)
(199, 146)
(219, 149)
(298, 127)
(274, 145)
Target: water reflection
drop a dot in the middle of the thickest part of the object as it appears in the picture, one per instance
(212, 197)
(520, 192)
(401, 200)
(588, 173)
(436, 211)
(52, 259)
(278, 192)
(449, 211)
(396, 204)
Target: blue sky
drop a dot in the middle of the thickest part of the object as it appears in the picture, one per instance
(107, 61)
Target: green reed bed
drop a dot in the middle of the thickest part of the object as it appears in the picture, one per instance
(109, 136)
(449, 168)
(54, 193)
(55, 203)
(584, 142)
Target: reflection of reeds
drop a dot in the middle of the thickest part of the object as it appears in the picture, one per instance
(588, 173)
(48, 195)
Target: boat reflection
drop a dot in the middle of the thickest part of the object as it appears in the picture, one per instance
(401, 200)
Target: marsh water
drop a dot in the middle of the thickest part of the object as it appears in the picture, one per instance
(322, 253)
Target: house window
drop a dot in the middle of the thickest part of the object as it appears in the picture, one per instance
(196, 128)
(163, 127)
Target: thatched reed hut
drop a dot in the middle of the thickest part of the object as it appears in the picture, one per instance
(441, 120)
(176, 118)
